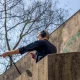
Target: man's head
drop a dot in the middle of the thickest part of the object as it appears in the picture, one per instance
(43, 35)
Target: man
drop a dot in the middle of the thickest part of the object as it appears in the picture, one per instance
(42, 46)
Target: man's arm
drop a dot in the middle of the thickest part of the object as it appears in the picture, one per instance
(31, 47)
(22, 50)
(10, 53)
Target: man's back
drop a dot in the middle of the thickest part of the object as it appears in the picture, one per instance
(44, 49)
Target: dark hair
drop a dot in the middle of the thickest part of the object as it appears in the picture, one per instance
(44, 33)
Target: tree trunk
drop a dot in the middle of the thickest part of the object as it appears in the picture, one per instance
(6, 33)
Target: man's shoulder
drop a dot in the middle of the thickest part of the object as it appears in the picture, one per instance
(40, 41)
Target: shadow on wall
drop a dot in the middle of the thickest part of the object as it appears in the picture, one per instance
(29, 73)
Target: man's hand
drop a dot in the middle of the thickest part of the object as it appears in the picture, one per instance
(32, 54)
(4, 54)
(9, 53)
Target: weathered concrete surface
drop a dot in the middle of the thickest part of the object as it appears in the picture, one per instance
(28, 65)
(52, 67)
(22, 77)
(39, 71)
(67, 37)
(23, 64)
(55, 67)
(64, 66)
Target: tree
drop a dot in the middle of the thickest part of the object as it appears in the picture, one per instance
(17, 23)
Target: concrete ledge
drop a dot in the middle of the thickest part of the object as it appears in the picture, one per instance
(62, 66)
(39, 71)
(22, 77)
(23, 64)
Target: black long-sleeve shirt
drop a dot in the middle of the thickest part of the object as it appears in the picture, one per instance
(43, 47)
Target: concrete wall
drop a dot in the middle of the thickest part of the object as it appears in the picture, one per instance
(39, 71)
(29, 69)
(23, 64)
(22, 77)
(67, 37)
(64, 66)
(55, 67)
(52, 67)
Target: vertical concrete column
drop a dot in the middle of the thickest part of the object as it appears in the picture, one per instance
(64, 66)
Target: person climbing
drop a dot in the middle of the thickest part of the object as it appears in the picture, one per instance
(42, 46)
